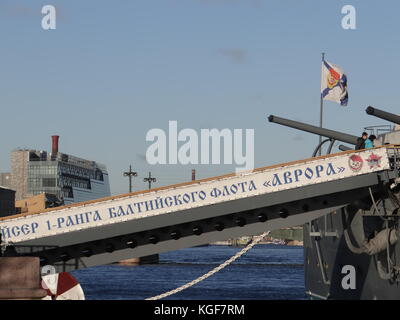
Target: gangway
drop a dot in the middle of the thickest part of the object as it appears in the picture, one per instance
(199, 212)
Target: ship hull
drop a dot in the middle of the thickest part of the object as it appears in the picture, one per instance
(334, 279)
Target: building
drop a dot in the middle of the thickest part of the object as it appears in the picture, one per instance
(37, 203)
(7, 202)
(19, 173)
(5, 180)
(69, 178)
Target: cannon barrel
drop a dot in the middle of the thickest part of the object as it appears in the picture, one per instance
(344, 148)
(339, 136)
(383, 114)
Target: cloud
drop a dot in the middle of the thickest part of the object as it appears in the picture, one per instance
(235, 55)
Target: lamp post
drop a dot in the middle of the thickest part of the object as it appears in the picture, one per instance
(130, 174)
(150, 179)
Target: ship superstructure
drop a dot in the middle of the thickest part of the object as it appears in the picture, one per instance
(353, 252)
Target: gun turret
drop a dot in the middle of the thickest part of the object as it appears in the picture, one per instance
(336, 135)
(383, 114)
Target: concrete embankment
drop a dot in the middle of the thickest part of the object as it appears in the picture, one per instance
(20, 278)
(289, 236)
(152, 259)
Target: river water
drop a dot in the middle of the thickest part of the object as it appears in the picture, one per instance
(265, 272)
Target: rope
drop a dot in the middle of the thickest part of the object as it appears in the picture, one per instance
(373, 201)
(252, 243)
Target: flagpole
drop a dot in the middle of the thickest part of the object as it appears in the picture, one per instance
(321, 108)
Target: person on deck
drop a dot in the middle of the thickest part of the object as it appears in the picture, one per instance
(369, 143)
(361, 141)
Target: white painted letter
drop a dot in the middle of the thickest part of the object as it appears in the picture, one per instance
(49, 20)
(248, 159)
(349, 20)
(173, 142)
(158, 147)
(49, 278)
(349, 280)
(216, 137)
(188, 153)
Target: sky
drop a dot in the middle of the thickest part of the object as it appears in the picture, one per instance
(113, 70)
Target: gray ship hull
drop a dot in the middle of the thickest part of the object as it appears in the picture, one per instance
(327, 254)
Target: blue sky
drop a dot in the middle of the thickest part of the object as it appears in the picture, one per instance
(112, 70)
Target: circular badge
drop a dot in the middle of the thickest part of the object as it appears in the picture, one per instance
(355, 163)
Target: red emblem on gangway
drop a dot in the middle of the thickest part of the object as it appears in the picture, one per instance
(374, 161)
(355, 163)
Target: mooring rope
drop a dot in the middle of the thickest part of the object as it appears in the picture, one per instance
(252, 243)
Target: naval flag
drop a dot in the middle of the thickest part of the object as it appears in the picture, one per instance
(333, 83)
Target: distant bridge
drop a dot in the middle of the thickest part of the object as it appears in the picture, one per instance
(288, 234)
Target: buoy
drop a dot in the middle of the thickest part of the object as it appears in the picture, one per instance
(62, 286)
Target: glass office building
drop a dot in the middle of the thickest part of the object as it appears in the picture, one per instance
(70, 178)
